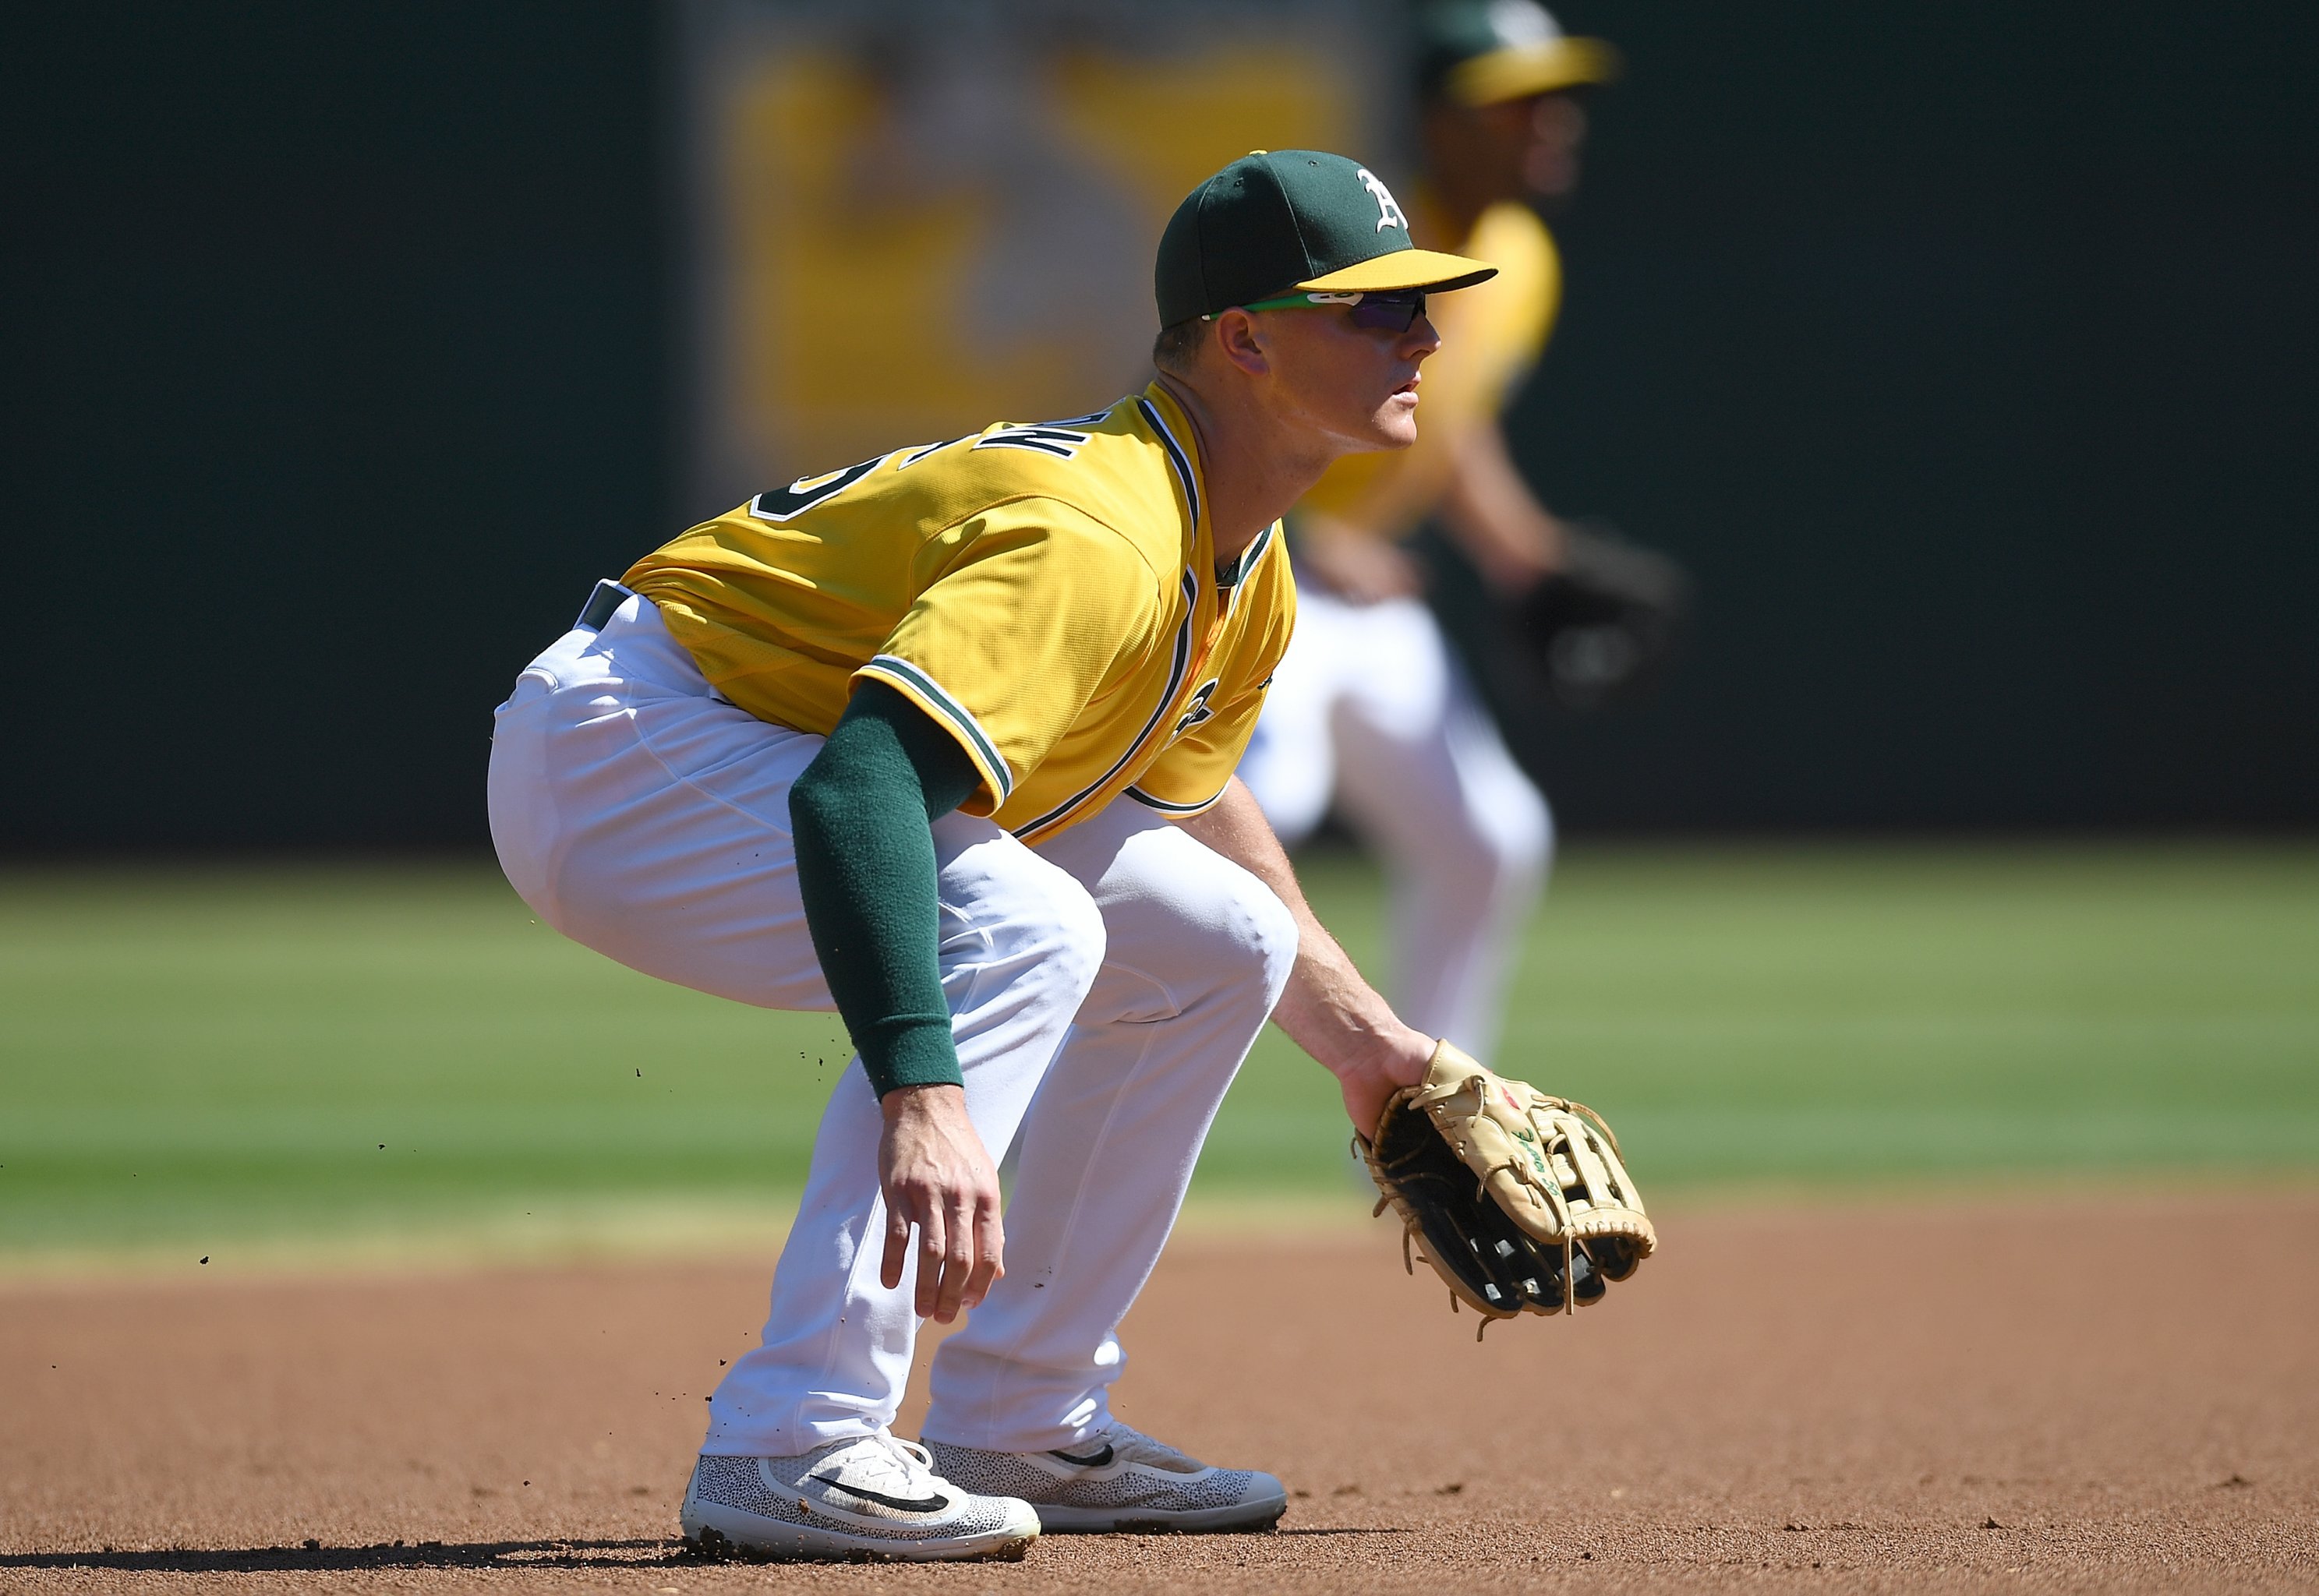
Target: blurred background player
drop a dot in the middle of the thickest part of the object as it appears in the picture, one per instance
(1369, 707)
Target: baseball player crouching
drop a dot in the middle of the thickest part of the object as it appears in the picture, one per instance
(945, 740)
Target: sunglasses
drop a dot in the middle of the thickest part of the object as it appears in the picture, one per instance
(1394, 311)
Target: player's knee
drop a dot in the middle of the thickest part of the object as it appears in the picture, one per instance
(1504, 844)
(1525, 835)
(1048, 922)
(1246, 937)
(1079, 937)
(1201, 931)
(1269, 938)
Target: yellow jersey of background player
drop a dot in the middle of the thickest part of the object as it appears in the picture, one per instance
(1368, 710)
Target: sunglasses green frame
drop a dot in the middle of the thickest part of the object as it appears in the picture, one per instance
(1382, 308)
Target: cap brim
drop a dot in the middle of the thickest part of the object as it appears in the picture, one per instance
(1429, 269)
(1525, 69)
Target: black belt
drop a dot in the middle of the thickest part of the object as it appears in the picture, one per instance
(607, 597)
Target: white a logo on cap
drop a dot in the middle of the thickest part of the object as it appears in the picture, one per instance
(1388, 208)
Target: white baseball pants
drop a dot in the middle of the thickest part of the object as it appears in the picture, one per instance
(1369, 707)
(1104, 989)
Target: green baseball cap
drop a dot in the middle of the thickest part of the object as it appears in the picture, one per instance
(1284, 221)
(1485, 52)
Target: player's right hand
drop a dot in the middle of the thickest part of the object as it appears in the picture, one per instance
(939, 1181)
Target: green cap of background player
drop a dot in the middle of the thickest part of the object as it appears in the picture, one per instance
(1485, 52)
(1294, 221)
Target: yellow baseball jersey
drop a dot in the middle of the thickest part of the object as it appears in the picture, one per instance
(1048, 594)
(1491, 335)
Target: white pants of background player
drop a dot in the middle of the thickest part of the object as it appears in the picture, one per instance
(1104, 989)
(1369, 707)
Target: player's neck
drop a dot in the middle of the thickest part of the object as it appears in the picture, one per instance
(1251, 468)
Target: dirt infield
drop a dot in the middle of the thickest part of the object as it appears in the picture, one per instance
(2036, 1395)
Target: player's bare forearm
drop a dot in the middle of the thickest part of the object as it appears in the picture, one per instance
(1328, 1009)
(1491, 513)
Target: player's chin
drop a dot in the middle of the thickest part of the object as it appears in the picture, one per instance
(1394, 424)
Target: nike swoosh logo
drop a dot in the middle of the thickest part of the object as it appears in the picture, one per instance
(1093, 1460)
(900, 1504)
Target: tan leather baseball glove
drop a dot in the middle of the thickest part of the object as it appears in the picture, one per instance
(1521, 1201)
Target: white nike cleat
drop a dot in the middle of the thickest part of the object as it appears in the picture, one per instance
(870, 1497)
(1119, 1479)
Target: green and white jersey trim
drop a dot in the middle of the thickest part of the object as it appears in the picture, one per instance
(1070, 805)
(1165, 807)
(1179, 456)
(1231, 581)
(930, 696)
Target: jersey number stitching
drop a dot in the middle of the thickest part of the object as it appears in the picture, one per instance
(1061, 439)
(1195, 712)
(806, 491)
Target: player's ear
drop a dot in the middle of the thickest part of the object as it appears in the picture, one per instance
(1240, 340)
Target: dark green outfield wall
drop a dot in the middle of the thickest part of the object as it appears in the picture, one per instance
(1971, 353)
(1968, 352)
(335, 369)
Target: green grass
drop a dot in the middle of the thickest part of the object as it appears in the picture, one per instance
(1850, 1014)
(196, 1060)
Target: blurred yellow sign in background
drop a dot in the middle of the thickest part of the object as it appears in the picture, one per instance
(912, 234)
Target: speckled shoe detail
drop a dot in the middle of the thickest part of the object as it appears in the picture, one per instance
(1118, 1479)
(872, 1498)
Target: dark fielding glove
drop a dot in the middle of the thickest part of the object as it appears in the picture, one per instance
(1601, 627)
(1519, 1199)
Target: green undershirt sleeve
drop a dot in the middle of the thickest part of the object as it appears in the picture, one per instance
(866, 872)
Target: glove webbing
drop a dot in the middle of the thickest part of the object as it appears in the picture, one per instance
(1482, 1193)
